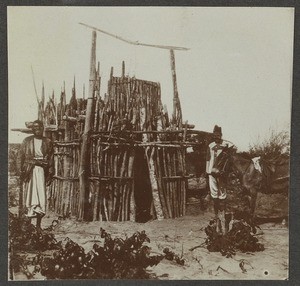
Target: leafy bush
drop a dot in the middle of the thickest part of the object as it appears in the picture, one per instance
(25, 236)
(239, 238)
(115, 258)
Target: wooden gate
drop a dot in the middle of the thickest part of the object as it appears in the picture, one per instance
(168, 180)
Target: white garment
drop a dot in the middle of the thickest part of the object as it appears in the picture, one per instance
(215, 191)
(256, 162)
(215, 150)
(35, 188)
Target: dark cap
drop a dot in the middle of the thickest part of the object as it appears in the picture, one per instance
(217, 129)
(39, 122)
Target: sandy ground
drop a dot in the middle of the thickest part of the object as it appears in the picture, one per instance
(179, 235)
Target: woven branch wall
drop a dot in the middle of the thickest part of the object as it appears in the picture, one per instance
(130, 105)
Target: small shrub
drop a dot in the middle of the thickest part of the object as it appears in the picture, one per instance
(278, 143)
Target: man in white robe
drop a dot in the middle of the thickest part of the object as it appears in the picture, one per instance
(36, 171)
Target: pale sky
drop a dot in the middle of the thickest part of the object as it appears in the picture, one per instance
(237, 73)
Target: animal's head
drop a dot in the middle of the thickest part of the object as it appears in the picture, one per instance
(222, 164)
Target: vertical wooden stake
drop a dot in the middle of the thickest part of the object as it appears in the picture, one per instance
(123, 69)
(154, 184)
(177, 116)
(21, 194)
(84, 156)
(185, 130)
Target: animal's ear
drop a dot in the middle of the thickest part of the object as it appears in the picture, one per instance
(233, 149)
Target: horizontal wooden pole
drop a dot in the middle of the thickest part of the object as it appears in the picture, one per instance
(158, 144)
(98, 133)
(23, 130)
(69, 143)
(162, 144)
(170, 142)
(176, 177)
(63, 153)
(140, 143)
(65, 178)
(136, 43)
(151, 132)
(29, 131)
(74, 119)
(107, 178)
(96, 136)
(116, 144)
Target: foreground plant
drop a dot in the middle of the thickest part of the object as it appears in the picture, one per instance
(25, 236)
(239, 238)
(115, 259)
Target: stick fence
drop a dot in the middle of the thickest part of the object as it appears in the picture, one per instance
(130, 116)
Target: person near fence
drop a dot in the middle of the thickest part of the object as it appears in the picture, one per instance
(217, 193)
(36, 169)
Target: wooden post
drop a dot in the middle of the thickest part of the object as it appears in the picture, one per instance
(43, 104)
(66, 184)
(153, 181)
(185, 130)
(84, 156)
(123, 69)
(21, 194)
(98, 81)
(177, 117)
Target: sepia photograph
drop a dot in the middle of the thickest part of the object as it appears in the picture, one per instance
(149, 142)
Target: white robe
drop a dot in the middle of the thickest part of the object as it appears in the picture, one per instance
(35, 188)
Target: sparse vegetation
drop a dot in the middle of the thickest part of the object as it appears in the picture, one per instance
(113, 259)
(276, 144)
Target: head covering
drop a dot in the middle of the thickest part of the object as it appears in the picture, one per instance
(38, 122)
(217, 129)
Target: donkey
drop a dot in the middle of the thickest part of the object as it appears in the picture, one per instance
(272, 177)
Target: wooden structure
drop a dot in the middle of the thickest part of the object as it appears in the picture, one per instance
(119, 157)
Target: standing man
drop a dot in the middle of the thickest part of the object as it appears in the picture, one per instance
(36, 171)
(217, 193)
